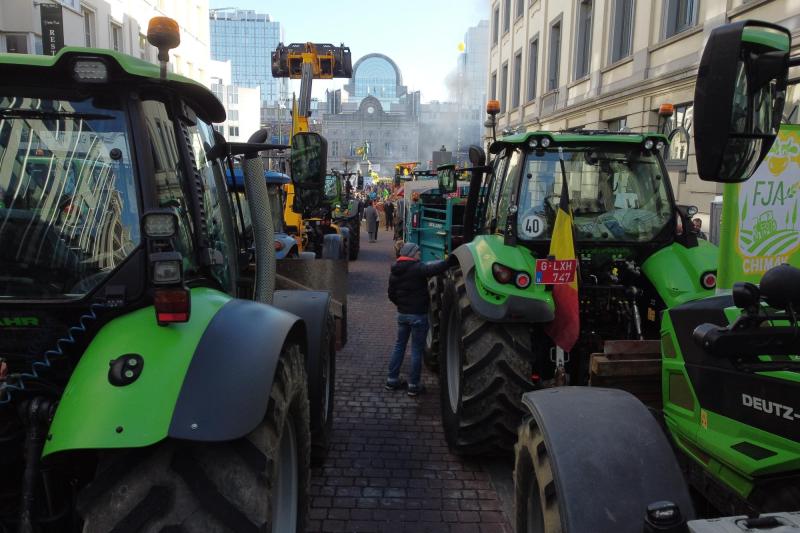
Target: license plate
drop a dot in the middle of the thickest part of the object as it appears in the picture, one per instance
(555, 271)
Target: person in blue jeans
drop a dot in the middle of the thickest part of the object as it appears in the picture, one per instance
(408, 290)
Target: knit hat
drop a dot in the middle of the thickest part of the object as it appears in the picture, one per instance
(409, 249)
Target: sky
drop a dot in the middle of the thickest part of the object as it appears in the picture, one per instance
(421, 36)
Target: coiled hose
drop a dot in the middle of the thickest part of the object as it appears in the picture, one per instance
(16, 382)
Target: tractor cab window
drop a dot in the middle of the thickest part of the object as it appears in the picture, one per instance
(170, 182)
(69, 212)
(221, 235)
(616, 194)
(493, 192)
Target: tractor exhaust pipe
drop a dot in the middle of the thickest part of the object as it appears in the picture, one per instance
(261, 216)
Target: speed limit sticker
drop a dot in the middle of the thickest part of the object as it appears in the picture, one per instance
(532, 226)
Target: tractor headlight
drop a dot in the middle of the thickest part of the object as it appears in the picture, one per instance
(533, 143)
(648, 144)
(166, 268)
(660, 146)
(90, 71)
(160, 224)
(545, 142)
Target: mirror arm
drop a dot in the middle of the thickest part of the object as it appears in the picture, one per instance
(794, 62)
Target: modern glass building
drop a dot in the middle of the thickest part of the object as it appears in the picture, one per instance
(376, 75)
(246, 39)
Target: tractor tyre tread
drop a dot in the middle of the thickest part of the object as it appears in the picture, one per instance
(206, 486)
(532, 465)
(320, 439)
(496, 367)
(430, 355)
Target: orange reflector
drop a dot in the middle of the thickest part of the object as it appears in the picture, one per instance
(493, 107)
(172, 305)
(666, 110)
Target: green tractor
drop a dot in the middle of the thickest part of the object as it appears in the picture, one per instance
(344, 208)
(725, 443)
(634, 248)
(151, 378)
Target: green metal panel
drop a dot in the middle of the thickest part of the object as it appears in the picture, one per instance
(94, 414)
(767, 37)
(675, 271)
(489, 249)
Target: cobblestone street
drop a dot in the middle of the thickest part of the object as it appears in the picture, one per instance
(389, 468)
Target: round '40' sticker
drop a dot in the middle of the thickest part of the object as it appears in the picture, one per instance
(532, 226)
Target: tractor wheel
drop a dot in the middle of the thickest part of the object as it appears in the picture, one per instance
(536, 507)
(430, 355)
(257, 483)
(355, 241)
(484, 370)
(322, 382)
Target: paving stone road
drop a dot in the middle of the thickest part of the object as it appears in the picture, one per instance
(389, 469)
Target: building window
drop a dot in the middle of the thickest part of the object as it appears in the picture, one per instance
(506, 15)
(622, 31)
(520, 8)
(88, 26)
(681, 15)
(387, 149)
(334, 148)
(233, 114)
(504, 88)
(554, 57)
(679, 128)
(233, 95)
(583, 39)
(493, 88)
(515, 96)
(233, 131)
(405, 150)
(143, 46)
(116, 37)
(496, 25)
(17, 44)
(617, 124)
(533, 60)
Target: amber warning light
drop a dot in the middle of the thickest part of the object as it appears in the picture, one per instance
(164, 34)
(493, 107)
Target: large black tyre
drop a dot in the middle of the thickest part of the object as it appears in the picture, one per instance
(256, 483)
(484, 369)
(536, 507)
(321, 388)
(355, 240)
(430, 355)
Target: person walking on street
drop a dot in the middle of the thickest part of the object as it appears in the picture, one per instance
(408, 290)
(389, 210)
(371, 214)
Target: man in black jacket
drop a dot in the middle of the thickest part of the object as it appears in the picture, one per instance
(408, 290)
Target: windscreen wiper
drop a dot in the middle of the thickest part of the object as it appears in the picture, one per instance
(37, 114)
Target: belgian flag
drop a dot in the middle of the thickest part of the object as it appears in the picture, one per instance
(566, 324)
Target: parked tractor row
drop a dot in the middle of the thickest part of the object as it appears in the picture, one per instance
(584, 328)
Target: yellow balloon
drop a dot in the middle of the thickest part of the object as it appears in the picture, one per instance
(461, 47)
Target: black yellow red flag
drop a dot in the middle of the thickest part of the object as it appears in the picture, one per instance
(566, 324)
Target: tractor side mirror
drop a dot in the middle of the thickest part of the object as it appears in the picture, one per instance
(309, 161)
(477, 156)
(447, 178)
(739, 98)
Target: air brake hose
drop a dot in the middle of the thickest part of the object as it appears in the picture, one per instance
(261, 216)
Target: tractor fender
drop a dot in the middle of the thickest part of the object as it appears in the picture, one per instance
(206, 379)
(536, 307)
(610, 458)
(227, 386)
(313, 308)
